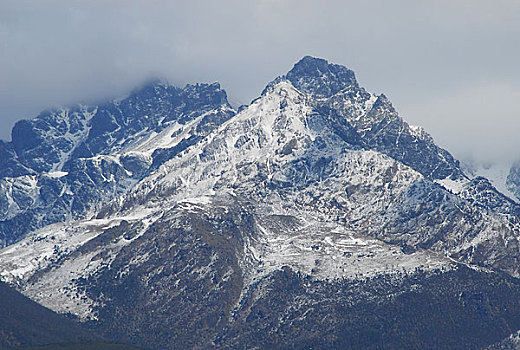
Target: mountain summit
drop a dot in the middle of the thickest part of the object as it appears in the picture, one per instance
(319, 78)
(315, 216)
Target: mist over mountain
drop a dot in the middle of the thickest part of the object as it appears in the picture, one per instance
(448, 66)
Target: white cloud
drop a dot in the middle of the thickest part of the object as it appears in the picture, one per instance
(479, 121)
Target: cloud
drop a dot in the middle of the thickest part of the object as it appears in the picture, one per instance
(418, 53)
(478, 121)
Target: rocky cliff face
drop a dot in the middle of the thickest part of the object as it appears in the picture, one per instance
(314, 217)
(67, 162)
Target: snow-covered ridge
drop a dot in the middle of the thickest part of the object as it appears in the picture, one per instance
(360, 211)
(81, 157)
(265, 138)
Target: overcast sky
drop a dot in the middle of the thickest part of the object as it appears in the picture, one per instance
(450, 66)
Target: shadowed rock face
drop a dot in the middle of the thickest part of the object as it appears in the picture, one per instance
(313, 218)
(319, 78)
(24, 322)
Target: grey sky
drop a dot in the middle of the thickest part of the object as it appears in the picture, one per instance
(450, 66)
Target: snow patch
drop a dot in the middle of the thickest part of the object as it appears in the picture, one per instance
(330, 251)
(56, 174)
(454, 186)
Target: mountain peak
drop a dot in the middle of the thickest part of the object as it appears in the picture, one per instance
(319, 77)
(318, 189)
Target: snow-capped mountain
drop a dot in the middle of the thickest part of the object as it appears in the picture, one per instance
(67, 162)
(315, 216)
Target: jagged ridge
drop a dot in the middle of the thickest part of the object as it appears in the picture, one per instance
(317, 183)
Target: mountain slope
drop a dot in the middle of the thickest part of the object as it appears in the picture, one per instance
(24, 322)
(315, 217)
